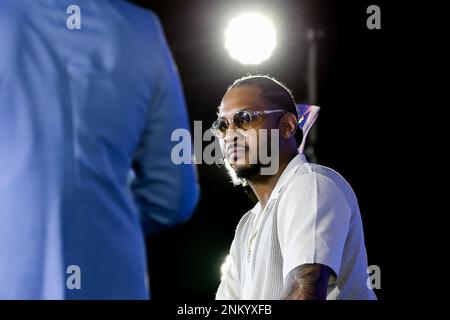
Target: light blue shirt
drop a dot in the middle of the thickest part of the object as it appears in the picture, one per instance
(78, 109)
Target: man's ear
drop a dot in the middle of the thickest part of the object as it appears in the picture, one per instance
(288, 125)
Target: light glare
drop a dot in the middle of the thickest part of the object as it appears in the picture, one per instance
(250, 38)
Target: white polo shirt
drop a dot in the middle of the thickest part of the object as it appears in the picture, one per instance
(312, 216)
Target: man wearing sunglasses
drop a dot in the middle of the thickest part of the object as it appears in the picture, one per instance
(304, 239)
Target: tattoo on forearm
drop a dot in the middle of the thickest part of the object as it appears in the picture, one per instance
(307, 282)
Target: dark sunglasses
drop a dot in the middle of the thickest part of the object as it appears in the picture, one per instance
(241, 119)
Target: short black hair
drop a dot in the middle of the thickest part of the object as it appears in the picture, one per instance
(273, 92)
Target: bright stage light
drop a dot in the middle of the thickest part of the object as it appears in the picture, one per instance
(250, 38)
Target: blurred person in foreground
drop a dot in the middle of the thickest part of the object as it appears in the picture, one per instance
(86, 116)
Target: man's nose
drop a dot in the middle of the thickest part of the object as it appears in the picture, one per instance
(230, 133)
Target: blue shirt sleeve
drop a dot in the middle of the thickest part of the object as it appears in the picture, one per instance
(165, 193)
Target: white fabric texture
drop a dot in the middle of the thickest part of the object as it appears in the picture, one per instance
(312, 216)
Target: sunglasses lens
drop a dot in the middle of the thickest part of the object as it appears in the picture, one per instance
(242, 119)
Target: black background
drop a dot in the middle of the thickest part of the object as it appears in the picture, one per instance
(360, 127)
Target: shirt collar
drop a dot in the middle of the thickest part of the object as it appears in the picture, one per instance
(288, 172)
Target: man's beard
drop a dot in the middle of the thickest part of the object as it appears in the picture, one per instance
(242, 174)
(248, 172)
(252, 171)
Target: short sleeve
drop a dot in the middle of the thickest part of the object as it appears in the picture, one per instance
(313, 221)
